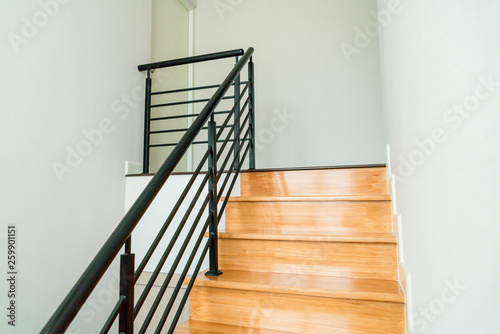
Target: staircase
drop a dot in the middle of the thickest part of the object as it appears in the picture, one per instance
(304, 251)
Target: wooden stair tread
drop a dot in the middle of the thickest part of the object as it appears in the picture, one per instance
(326, 237)
(309, 198)
(203, 327)
(306, 285)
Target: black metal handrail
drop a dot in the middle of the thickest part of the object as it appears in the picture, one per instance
(191, 60)
(121, 236)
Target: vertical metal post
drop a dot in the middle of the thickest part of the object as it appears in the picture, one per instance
(147, 123)
(126, 318)
(212, 188)
(251, 106)
(237, 110)
(128, 245)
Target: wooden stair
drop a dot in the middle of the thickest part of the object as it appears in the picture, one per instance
(304, 251)
(204, 327)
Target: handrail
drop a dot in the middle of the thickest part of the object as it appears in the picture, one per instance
(75, 299)
(191, 60)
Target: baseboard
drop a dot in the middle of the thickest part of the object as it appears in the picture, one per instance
(404, 275)
(388, 169)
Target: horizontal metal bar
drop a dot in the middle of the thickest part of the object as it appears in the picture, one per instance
(190, 89)
(184, 90)
(191, 60)
(181, 130)
(204, 142)
(173, 117)
(193, 143)
(113, 315)
(186, 102)
(186, 116)
(172, 130)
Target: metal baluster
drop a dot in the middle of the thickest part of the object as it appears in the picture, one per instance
(212, 188)
(251, 108)
(147, 117)
(236, 114)
(127, 279)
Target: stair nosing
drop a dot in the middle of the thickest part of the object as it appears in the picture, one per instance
(190, 321)
(368, 238)
(328, 198)
(313, 168)
(313, 292)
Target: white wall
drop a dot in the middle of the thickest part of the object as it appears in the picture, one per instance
(169, 40)
(334, 106)
(75, 71)
(442, 125)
